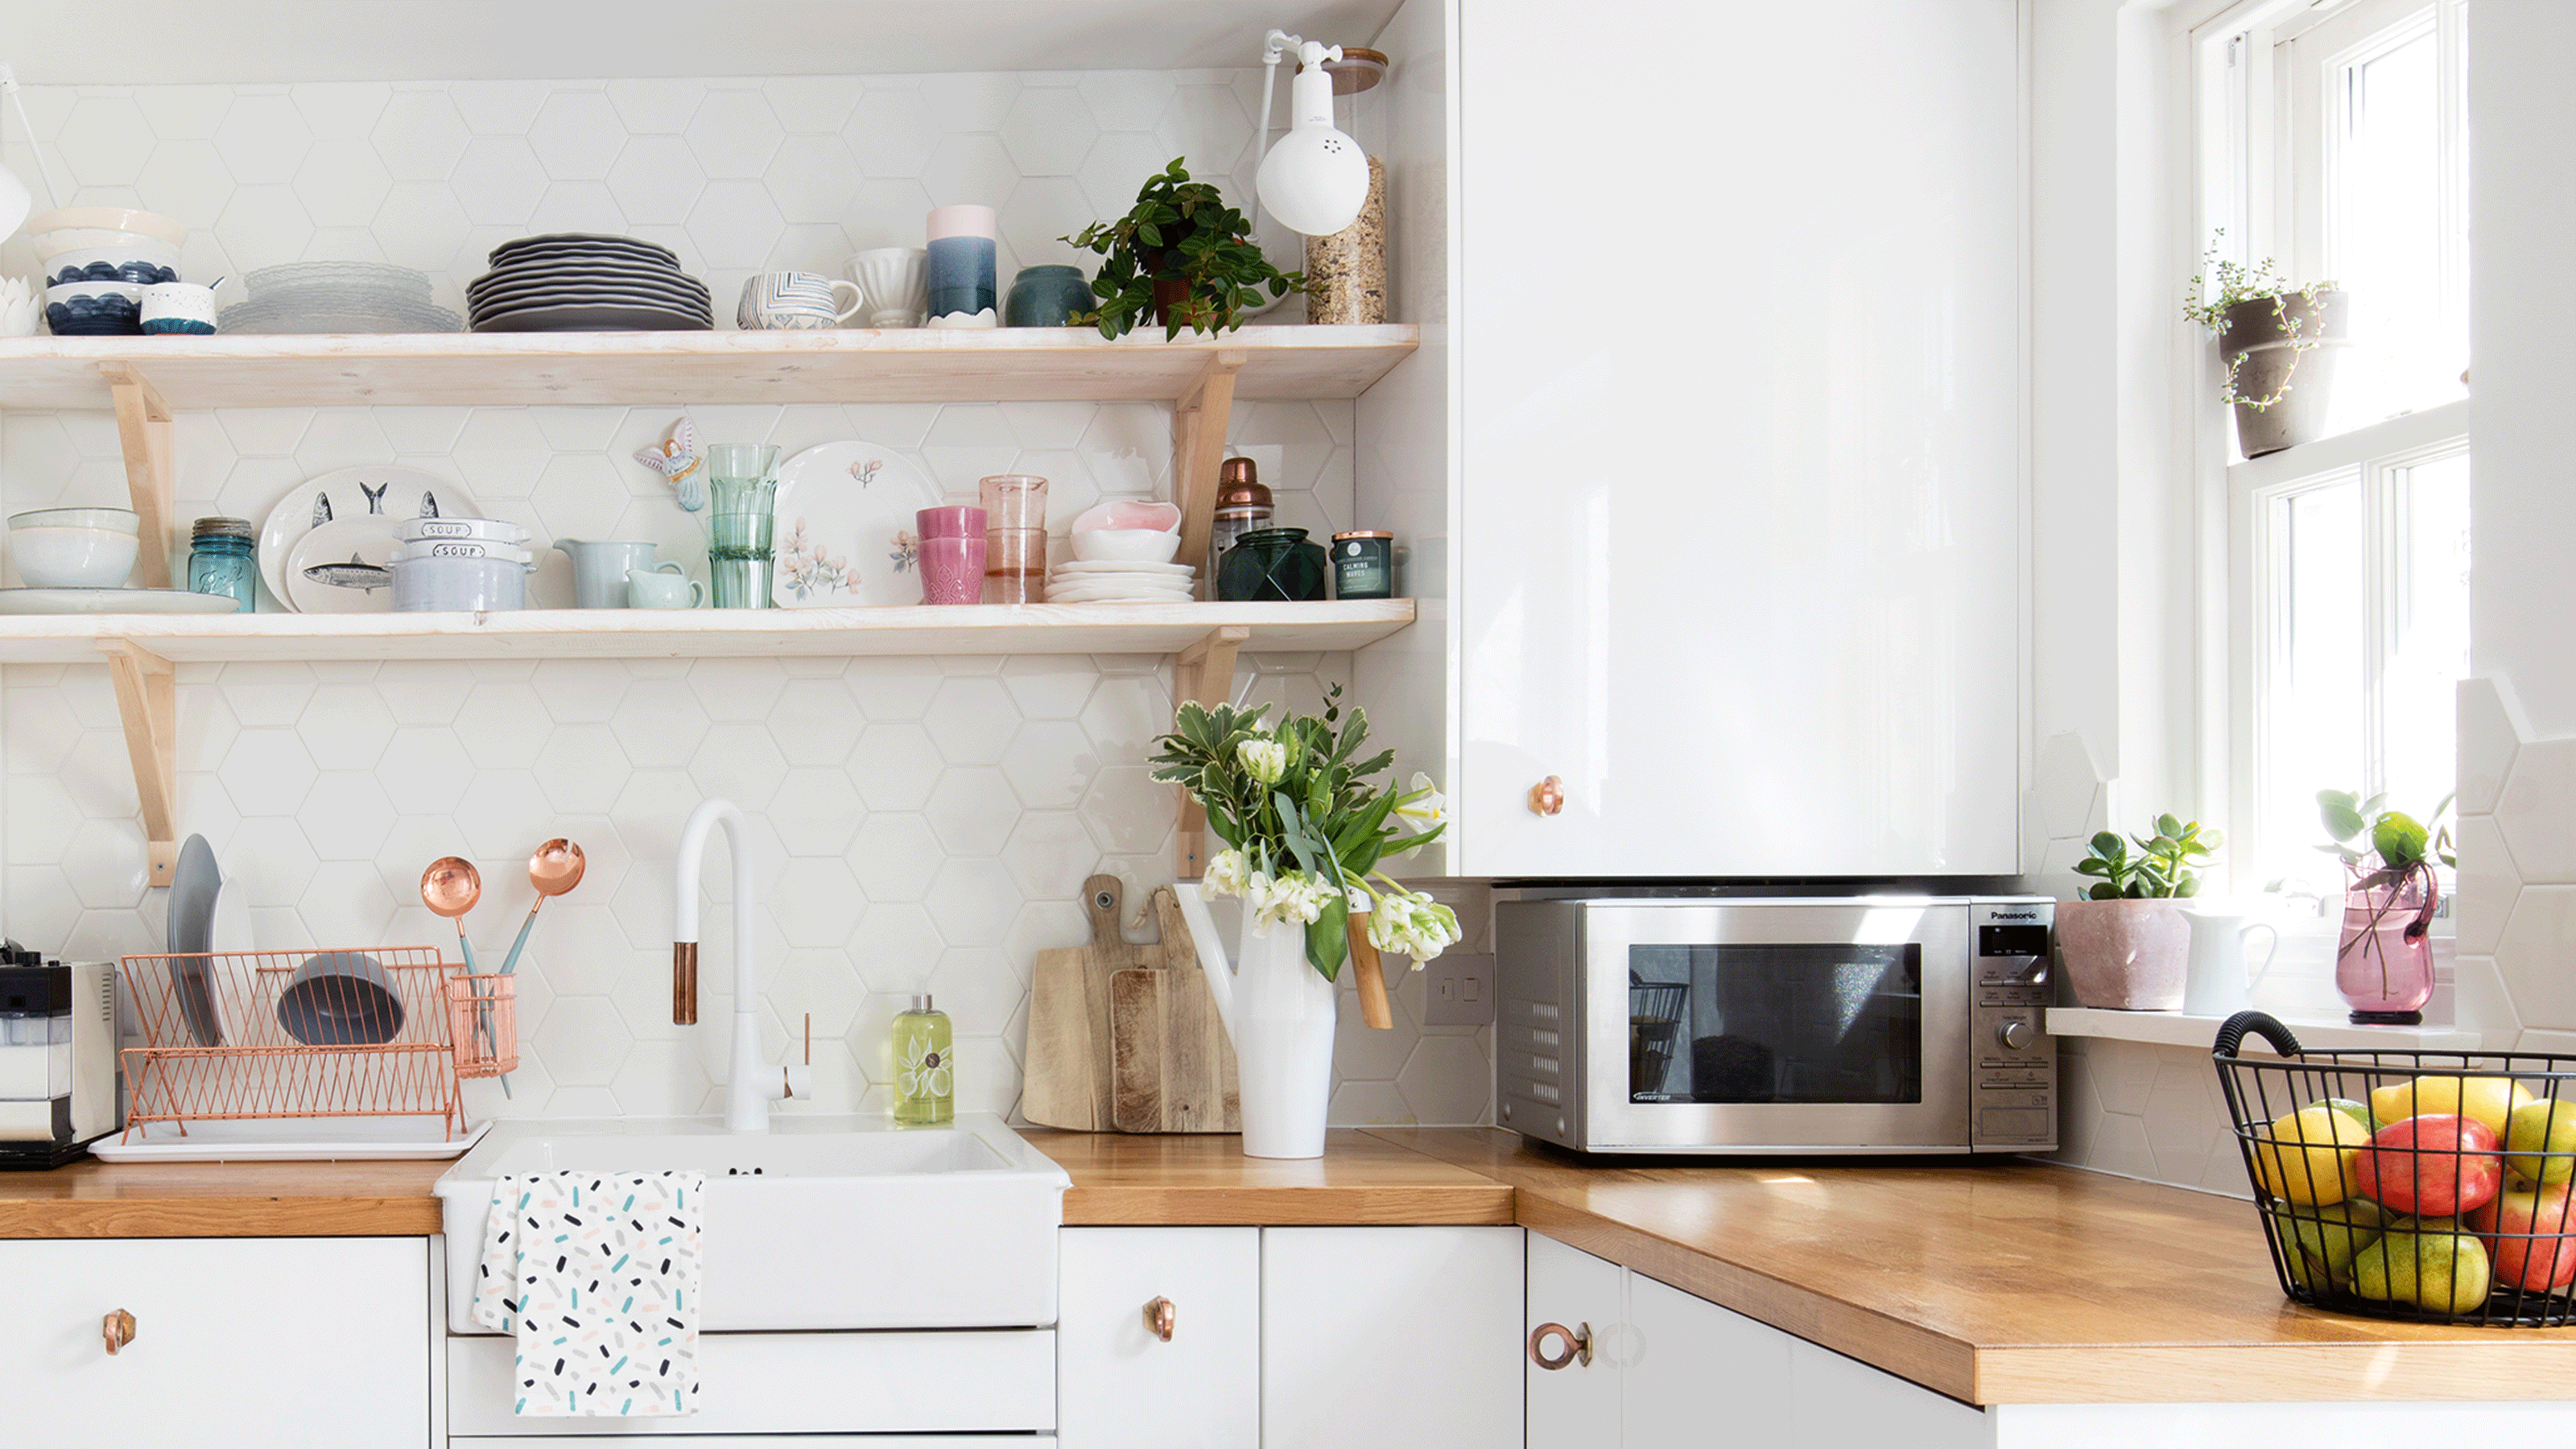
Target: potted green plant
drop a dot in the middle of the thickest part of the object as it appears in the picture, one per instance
(2127, 943)
(2384, 958)
(2280, 343)
(1182, 254)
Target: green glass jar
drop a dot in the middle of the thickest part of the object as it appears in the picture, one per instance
(1273, 564)
(925, 1079)
(1364, 565)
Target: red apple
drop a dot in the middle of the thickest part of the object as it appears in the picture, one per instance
(2545, 1257)
(2432, 1166)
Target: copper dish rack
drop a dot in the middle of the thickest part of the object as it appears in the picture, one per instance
(392, 1030)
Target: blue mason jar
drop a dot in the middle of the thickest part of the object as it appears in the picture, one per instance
(221, 560)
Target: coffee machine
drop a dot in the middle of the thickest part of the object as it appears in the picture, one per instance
(57, 1057)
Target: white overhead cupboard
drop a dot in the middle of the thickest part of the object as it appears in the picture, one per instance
(1729, 562)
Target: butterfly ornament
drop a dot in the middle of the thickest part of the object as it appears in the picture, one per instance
(680, 464)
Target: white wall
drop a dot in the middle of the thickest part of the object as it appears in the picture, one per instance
(922, 824)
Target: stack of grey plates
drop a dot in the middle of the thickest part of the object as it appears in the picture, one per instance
(576, 282)
(338, 297)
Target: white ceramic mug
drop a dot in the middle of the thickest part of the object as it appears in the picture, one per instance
(2216, 983)
(664, 586)
(178, 307)
(795, 301)
(897, 281)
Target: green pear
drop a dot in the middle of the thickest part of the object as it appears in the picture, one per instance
(2432, 1263)
(2332, 1235)
(2540, 1141)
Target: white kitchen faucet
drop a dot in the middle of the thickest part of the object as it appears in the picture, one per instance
(749, 1087)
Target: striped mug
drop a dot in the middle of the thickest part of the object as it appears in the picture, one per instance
(797, 301)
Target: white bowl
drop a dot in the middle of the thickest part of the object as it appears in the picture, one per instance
(74, 222)
(1126, 545)
(123, 520)
(143, 262)
(73, 558)
(1130, 513)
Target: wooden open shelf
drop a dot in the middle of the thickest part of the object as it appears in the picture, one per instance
(672, 369)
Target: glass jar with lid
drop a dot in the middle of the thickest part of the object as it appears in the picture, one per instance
(221, 560)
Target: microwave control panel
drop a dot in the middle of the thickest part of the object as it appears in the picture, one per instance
(2013, 1061)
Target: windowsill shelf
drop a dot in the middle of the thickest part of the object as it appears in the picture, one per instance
(2182, 1029)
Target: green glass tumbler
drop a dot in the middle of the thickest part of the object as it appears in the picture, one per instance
(742, 523)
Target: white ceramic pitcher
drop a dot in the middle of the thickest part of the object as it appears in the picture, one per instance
(2216, 983)
(1279, 1013)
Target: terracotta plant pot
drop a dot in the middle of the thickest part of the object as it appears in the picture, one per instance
(2126, 955)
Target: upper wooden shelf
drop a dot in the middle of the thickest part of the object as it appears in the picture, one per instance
(465, 369)
(701, 633)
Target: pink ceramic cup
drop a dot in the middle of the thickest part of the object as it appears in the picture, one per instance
(950, 522)
(952, 569)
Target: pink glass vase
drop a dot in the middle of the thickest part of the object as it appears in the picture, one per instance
(2384, 964)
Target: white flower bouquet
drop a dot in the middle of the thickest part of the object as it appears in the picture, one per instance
(1305, 828)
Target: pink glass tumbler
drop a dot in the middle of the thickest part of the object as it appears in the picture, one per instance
(952, 555)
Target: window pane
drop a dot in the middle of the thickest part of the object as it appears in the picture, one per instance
(2386, 237)
(2314, 720)
(2430, 631)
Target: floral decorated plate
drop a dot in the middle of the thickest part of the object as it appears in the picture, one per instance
(846, 532)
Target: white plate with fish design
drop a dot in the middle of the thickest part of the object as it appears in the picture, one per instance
(383, 494)
(847, 533)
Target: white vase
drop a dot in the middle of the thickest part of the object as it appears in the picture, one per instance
(1278, 1010)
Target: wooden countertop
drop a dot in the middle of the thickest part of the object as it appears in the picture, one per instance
(2002, 1283)
(1997, 1283)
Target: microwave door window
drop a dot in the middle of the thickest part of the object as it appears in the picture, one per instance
(1806, 1023)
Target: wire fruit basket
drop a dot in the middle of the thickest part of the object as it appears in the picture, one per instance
(388, 1032)
(2433, 1187)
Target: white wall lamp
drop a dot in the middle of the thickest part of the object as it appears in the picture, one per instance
(14, 200)
(1316, 179)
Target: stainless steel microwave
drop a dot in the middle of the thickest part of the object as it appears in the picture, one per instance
(1845, 1024)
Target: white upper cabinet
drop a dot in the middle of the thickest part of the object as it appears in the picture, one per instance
(1738, 342)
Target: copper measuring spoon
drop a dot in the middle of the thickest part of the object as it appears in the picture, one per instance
(450, 887)
(555, 869)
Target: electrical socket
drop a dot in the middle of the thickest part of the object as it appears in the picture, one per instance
(1458, 990)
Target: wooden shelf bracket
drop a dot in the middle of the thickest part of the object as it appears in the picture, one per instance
(1199, 418)
(147, 703)
(1203, 672)
(143, 429)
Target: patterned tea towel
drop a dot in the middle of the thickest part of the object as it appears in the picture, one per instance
(597, 1275)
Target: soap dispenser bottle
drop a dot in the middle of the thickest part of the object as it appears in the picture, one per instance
(925, 1081)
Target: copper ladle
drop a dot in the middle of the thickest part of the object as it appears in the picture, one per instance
(555, 869)
(450, 887)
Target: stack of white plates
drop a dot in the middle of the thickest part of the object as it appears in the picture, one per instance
(306, 297)
(1119, 583)
(576, 282)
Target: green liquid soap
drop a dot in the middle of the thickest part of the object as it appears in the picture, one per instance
(925, 1079)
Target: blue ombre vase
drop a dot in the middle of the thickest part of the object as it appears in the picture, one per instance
(962, 252)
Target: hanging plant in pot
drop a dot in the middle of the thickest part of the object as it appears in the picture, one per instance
(2384, 958)
(2127, 942)
(1182, 256)
(2280, 343)
(1304, 830)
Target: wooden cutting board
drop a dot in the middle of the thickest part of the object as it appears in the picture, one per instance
(1067, 1080)
(1171, 1067)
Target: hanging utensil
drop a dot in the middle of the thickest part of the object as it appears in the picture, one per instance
(450, 887)
(555, 869)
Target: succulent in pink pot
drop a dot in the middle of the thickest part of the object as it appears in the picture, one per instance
(2127, 944)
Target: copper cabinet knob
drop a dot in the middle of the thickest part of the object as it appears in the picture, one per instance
(116, 1330)
(1159, 1315)
(1547, 797)
(1577, 1340)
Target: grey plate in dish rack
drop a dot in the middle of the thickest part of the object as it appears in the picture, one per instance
(194, 885)
(583, 240)
(593, 319)
(113, 601)
(341, 998)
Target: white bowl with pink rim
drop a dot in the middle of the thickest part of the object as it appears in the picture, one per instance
(1127, 530)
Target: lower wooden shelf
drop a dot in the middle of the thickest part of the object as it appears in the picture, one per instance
(643, 634)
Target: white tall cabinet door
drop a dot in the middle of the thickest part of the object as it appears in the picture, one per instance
(1576, 1406)
(1391, 1338)
(1738, 329)
(1119, 1385)
(239, 1343)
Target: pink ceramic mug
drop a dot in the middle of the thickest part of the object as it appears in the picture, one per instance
(952, 570)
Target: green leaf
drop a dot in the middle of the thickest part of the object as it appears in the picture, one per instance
(1328, 941)
(2399, 840)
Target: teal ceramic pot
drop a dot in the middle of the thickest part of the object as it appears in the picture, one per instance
(1273, 564)
(1049, 296)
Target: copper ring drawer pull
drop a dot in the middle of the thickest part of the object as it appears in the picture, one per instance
(1578, 1346)
(116, 1330)
(1159, 1315)
(1547, 797)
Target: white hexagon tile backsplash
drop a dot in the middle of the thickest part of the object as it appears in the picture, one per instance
(922, 824)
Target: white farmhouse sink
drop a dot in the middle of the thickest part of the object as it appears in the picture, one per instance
(823, 1222)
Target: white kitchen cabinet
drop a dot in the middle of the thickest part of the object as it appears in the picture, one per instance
(1391, 1338)
(261, 1343)
(1736, 508)
(1576, 1405)
(1120, 1384)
